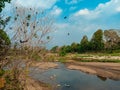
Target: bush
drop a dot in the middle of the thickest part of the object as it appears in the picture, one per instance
(2, 72)
(4, 42)
(62, 53)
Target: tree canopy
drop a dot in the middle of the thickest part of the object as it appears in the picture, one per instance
(112, 39)
(106, 41)
(97, 40)
(4, 42)
(84, 44)
(4, 39)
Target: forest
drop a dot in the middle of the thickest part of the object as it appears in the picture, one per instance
(102, 41)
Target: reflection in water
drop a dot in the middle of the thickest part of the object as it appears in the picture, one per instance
(65, 79)
(102, 78)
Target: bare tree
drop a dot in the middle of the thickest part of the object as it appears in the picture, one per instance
(111, 39)
(31, 27)
(31, 30)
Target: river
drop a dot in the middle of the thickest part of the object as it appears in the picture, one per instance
(62, 78)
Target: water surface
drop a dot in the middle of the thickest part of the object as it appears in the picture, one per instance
(65, 79)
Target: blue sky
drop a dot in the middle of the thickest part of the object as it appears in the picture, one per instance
(84, 17)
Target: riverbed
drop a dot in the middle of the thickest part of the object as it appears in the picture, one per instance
(62, 78)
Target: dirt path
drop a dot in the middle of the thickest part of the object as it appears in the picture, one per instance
(108, 70)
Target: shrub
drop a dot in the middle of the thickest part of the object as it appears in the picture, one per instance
(4, 42)
(62, 53)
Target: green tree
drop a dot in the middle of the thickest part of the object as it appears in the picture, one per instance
(62, 51)
(74, 47)
(54, 49)
(3, 21)
(84, 44)
(4, 39)
(68, 49)
(2, 4)
(4, 46)
(4, 43)
(97, 42)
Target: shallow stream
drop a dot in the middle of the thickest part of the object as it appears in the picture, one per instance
(62, 78)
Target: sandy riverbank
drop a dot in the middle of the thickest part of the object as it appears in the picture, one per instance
(32, 84)
(108, 70)
(45, 65)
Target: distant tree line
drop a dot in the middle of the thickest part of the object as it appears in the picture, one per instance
(101, 41)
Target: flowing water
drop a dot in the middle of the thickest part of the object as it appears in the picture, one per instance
(62, 78)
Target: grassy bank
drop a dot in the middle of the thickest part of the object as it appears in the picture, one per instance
(90, 57)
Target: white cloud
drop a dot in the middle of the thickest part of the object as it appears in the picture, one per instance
(56, 11)
(98, 17)
(110, 8)
(82, 22)
(61, 25)
(44, 4)
(85, 21)
(118, 9)
(72, 1)
(82, 12)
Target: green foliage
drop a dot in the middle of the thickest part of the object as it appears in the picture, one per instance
(67, 49)
(3, 22)
(2, 4)
(4, 39)
(62, 53)
(50, 58)
(62, 60)
(54, 49)
(96, 42)
(48, 37)
(4, 42)
(84, 44)
(74, 47)
(35, 57)
(2, 72)
(28, 17)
